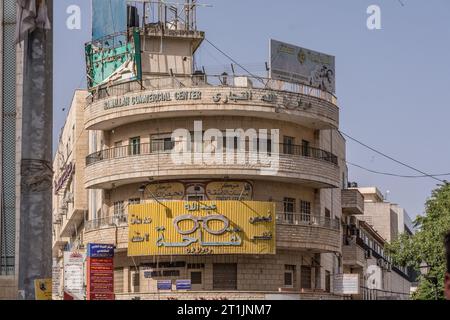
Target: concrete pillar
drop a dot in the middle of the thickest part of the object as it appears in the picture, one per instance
(35, 243)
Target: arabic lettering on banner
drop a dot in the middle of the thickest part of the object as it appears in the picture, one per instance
(167, 191)
(202, 228)
(229, 190)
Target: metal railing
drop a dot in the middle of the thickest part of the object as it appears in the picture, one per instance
(208, 81)
(107, 222)
(290, 218)
(286, 218)
(168, 146)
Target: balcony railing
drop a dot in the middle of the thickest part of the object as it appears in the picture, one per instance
(168, 146)
(205, 81)
(289, 218)
(285, 218)
(106, 222)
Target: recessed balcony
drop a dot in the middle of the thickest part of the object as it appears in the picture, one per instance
(168, 97)
(134, 164)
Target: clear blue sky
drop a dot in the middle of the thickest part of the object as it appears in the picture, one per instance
(393, 84)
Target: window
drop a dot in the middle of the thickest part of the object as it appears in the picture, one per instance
(327, 281)
(259, 142)
(305, 280)
(289, 209)
(288, 145)
(135, 146)
(306, 148)
(195, 198)
(196, 277)
(119, 208)
(161, 143)
(195, 193)
(289, 276)
(305, 210)
(135, 280)
(134, 201)
(118, 149)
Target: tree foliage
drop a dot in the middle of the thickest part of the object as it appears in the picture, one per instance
(426, 245)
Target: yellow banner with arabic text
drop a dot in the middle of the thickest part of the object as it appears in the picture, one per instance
(201, 228)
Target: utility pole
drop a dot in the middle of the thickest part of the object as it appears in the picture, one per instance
(35, 242)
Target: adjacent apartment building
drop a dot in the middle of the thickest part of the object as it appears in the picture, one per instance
(365, 235)
(10, 102)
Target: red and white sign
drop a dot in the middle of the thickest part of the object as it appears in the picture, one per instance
(100, 279)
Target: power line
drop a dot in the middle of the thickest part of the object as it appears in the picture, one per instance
(392, 159)
(394, 174)
(235, 62)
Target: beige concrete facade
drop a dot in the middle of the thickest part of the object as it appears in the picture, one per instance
(365, 237)
(70, 201)
(380, 214)
(124, 122)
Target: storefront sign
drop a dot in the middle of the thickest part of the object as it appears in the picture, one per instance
(184, 285)
(229, 190)
(43, 289)
(346, 284)
(164, 285)
(166, 191)
(67, 173)
(202, 228)
(100, 272)
(74, 275)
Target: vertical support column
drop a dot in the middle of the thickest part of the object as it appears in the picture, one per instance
(35, 244)
(126, 279)
(8, 246)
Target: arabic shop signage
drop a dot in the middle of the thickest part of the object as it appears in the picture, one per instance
(292, 101)
(67, 173)
(100, 250)
(100, 272)
(215, 190)
(229, 190)
(74, 275)
(202, 228)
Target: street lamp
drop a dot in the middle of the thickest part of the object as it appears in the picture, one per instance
(425, 269)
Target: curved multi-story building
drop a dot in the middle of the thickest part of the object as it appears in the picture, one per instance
(271, 226)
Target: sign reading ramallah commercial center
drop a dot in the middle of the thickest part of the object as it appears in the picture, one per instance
(278, 97)
(201, 228)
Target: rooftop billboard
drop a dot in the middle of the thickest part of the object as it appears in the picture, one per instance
(297, 64)
(108, 17)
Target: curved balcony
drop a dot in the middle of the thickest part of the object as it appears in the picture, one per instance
(301, 231)
(161, 98)
(133, 164)
(294, 231)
